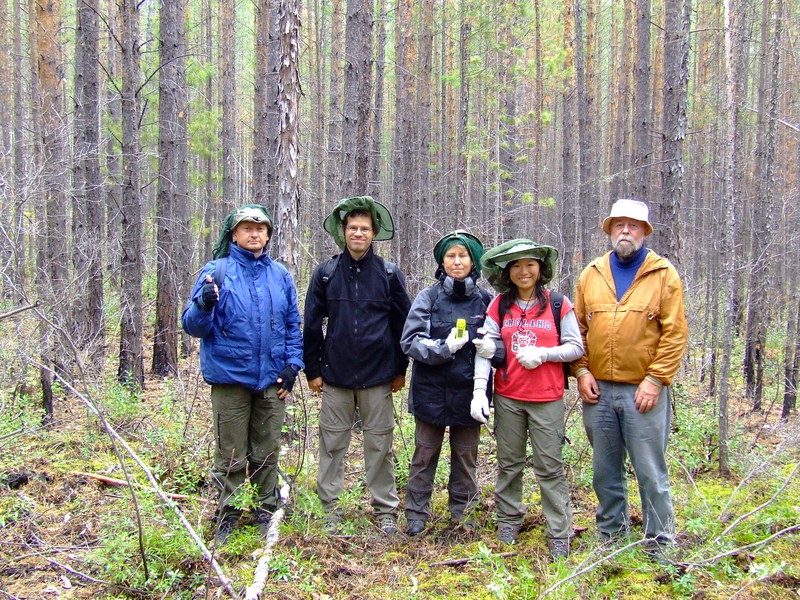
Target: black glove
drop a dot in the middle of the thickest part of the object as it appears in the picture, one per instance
(209, 296)
(287, 377)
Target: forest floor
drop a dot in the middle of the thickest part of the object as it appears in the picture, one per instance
(66, 535)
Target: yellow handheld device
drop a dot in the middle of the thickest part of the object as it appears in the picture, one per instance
(461, 327)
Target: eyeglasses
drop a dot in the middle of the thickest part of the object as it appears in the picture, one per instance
(352, 229)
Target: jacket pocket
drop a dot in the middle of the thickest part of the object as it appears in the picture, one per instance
(231, 351)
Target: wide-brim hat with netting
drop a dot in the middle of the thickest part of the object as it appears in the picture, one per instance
(255, 213)
(381, 218)
(495, 261)
(463, 238)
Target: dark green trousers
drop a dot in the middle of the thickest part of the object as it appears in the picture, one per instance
(247, 428)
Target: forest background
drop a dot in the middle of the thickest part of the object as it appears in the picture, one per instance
(132, 127)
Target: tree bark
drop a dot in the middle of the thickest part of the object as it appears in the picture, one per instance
(171, 198)
(734, 65)
(228, 103)
(88, 209)
(762, 219)
(289, 149)
(131, 361)
(674, 97)
(641, 103)
(357, 98)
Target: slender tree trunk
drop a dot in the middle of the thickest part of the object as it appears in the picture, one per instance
(375, 185)
(569, 175)
(424, 121)
(734, 65)
(171, 195)
(273, 112)
(641, 103)
(676, 77)
(333, 167)
(584, 195)
(620, 162)
(88, 213)
(357, 98)
(288, 156)
(261, 103)
(18, 172)
(131, 361)
(230, 112)
(463, 117)
(762, 220)
(113, 159)
(405, 132)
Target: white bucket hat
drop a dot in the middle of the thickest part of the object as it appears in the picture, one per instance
(632, 209)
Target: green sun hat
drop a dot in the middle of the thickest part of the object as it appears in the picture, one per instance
(496, 260)
(255, 213)
(381, 218)
(464, 238)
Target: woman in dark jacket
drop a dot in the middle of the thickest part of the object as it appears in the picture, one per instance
(443, 318)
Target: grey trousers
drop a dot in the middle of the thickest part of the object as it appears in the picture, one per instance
(247, 428)
(335, 424)
(543, 423)
(462, 486)
(616, 429)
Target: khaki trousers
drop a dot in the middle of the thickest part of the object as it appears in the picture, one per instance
(247, 428)
(335, 425)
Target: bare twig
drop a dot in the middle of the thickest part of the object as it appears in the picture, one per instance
(758, 544)
(456, 562)
(122, 482)
(226, 583)
(69, 569)
(11, 313)
(588, 568)
(761, 507)
(255, 589)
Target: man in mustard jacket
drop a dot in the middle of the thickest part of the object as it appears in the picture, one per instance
(629, 305)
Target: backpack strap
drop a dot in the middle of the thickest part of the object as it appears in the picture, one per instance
(220, 266)
(556, 302)
(328, 267)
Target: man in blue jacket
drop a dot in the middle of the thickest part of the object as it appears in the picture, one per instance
(358, 362)
(244, 309)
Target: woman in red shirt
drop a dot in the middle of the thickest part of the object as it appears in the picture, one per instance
(529, 387)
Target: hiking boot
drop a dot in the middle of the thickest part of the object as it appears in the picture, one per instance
(655, 552)
(507, 534)
(333, 520)
(559, 548)
(387, 525)
(224, 528)
(415, 527)
(263, 518)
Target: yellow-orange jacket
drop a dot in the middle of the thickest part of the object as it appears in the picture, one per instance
(642, 335)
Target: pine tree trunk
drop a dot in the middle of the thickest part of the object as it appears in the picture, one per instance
(674, 97)
(289, 149)
(171, 195)
(357, 98)
(641, 103)
(131, 361)
(88, 209)
(762, 219)
(230, 113)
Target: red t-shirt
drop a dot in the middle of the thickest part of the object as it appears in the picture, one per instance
(544, 383)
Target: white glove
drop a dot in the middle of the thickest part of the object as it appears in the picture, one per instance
(531, 357)
(485, 347)
(454, 344)
(479, 407)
